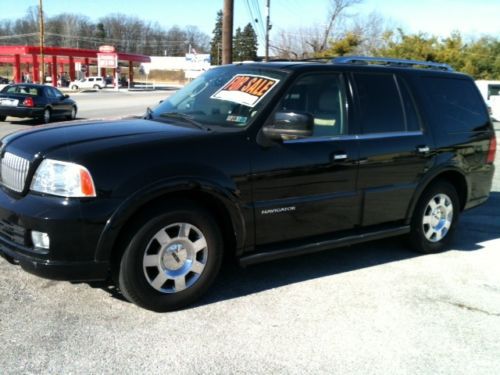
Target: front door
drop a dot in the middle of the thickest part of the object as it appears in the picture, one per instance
(307, 187)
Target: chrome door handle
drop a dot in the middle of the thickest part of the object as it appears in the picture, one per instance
(423, 149)
(339, 156)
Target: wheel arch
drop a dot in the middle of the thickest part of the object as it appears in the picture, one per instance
(217, 201)
(450, 174)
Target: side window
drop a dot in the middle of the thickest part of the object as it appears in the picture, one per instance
(412, 118)
(456, 103)
(493, 90)
(49, 92)
(322, 96)
(91, 79)
(379, 103)
(55, 93)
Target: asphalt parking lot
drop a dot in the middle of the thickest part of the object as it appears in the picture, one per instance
(375, 308)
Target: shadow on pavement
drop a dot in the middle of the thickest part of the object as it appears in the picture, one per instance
(234, 282)
(476, 226)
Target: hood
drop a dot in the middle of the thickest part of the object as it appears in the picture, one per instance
(44, 139)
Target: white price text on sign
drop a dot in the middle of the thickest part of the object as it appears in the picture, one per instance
(107, 60)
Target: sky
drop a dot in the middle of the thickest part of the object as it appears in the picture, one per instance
(436, 17)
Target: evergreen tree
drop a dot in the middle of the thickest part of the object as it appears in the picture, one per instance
(238, 45)
(249, 44)
(216, 44)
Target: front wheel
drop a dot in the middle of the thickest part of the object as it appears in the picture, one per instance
(72, 114)
(2, 118)
(435, 218)
(172, 259)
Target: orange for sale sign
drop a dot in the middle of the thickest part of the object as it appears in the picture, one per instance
(246, 89)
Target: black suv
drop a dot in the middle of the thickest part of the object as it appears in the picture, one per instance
(259, 161)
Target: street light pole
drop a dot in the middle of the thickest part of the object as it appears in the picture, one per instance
(42, 37)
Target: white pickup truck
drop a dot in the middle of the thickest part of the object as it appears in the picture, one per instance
(490, 90)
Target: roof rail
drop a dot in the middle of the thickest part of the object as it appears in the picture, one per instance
(390, 61)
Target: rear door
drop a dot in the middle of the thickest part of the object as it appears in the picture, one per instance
(307, 187)
(395, 149)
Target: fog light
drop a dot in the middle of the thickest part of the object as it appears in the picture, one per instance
(40, 239)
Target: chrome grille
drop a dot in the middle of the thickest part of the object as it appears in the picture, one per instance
(14, 170)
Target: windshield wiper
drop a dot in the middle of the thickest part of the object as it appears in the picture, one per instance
(183, 117)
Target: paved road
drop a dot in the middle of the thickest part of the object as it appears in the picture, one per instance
(98, 105)
(375, 308)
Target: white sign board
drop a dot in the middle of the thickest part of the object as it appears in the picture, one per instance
(107, 60)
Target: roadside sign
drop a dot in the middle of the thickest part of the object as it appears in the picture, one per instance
(107, 49)
(107, 60)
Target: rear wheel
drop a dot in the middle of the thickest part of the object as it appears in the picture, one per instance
(47, 115)
(74, 87)
(435, 218)
(97, 87)
(171, 259)
(2, 118)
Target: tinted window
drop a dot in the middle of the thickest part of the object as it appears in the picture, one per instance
(411, 114)
(379, 103)
(493, 90)
(456, 103)
(52, 92)
(320, 95)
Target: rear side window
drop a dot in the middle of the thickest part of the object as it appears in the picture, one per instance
(493, 90)
(456, 103)
(380, 107)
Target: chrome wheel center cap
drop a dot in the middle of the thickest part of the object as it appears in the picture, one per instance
(437, 216)
(174, 257)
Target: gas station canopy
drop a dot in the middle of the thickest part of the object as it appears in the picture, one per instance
(54, 56)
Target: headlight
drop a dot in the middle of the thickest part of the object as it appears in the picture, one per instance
(63, 179)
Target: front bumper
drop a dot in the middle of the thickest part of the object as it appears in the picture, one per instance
(74, 227)
(55, 270)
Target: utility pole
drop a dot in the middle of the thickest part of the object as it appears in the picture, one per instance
(227, 32)
(42, 37)
(268, 27)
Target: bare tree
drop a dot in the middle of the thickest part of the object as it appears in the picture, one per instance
(335, 14)
(311, 41)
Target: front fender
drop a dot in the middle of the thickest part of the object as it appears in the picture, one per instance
(139, 199)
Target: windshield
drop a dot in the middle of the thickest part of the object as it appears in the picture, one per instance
(228, 96)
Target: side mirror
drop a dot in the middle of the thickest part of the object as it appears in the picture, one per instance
(289, 125)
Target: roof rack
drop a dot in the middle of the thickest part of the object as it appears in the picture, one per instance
(390, 61)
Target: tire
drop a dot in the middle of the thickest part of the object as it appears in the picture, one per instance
(435, 218)
(47, 116)
(2, 118)
(97, 87)
(74, 87)
(72, 115)
(172, 258)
